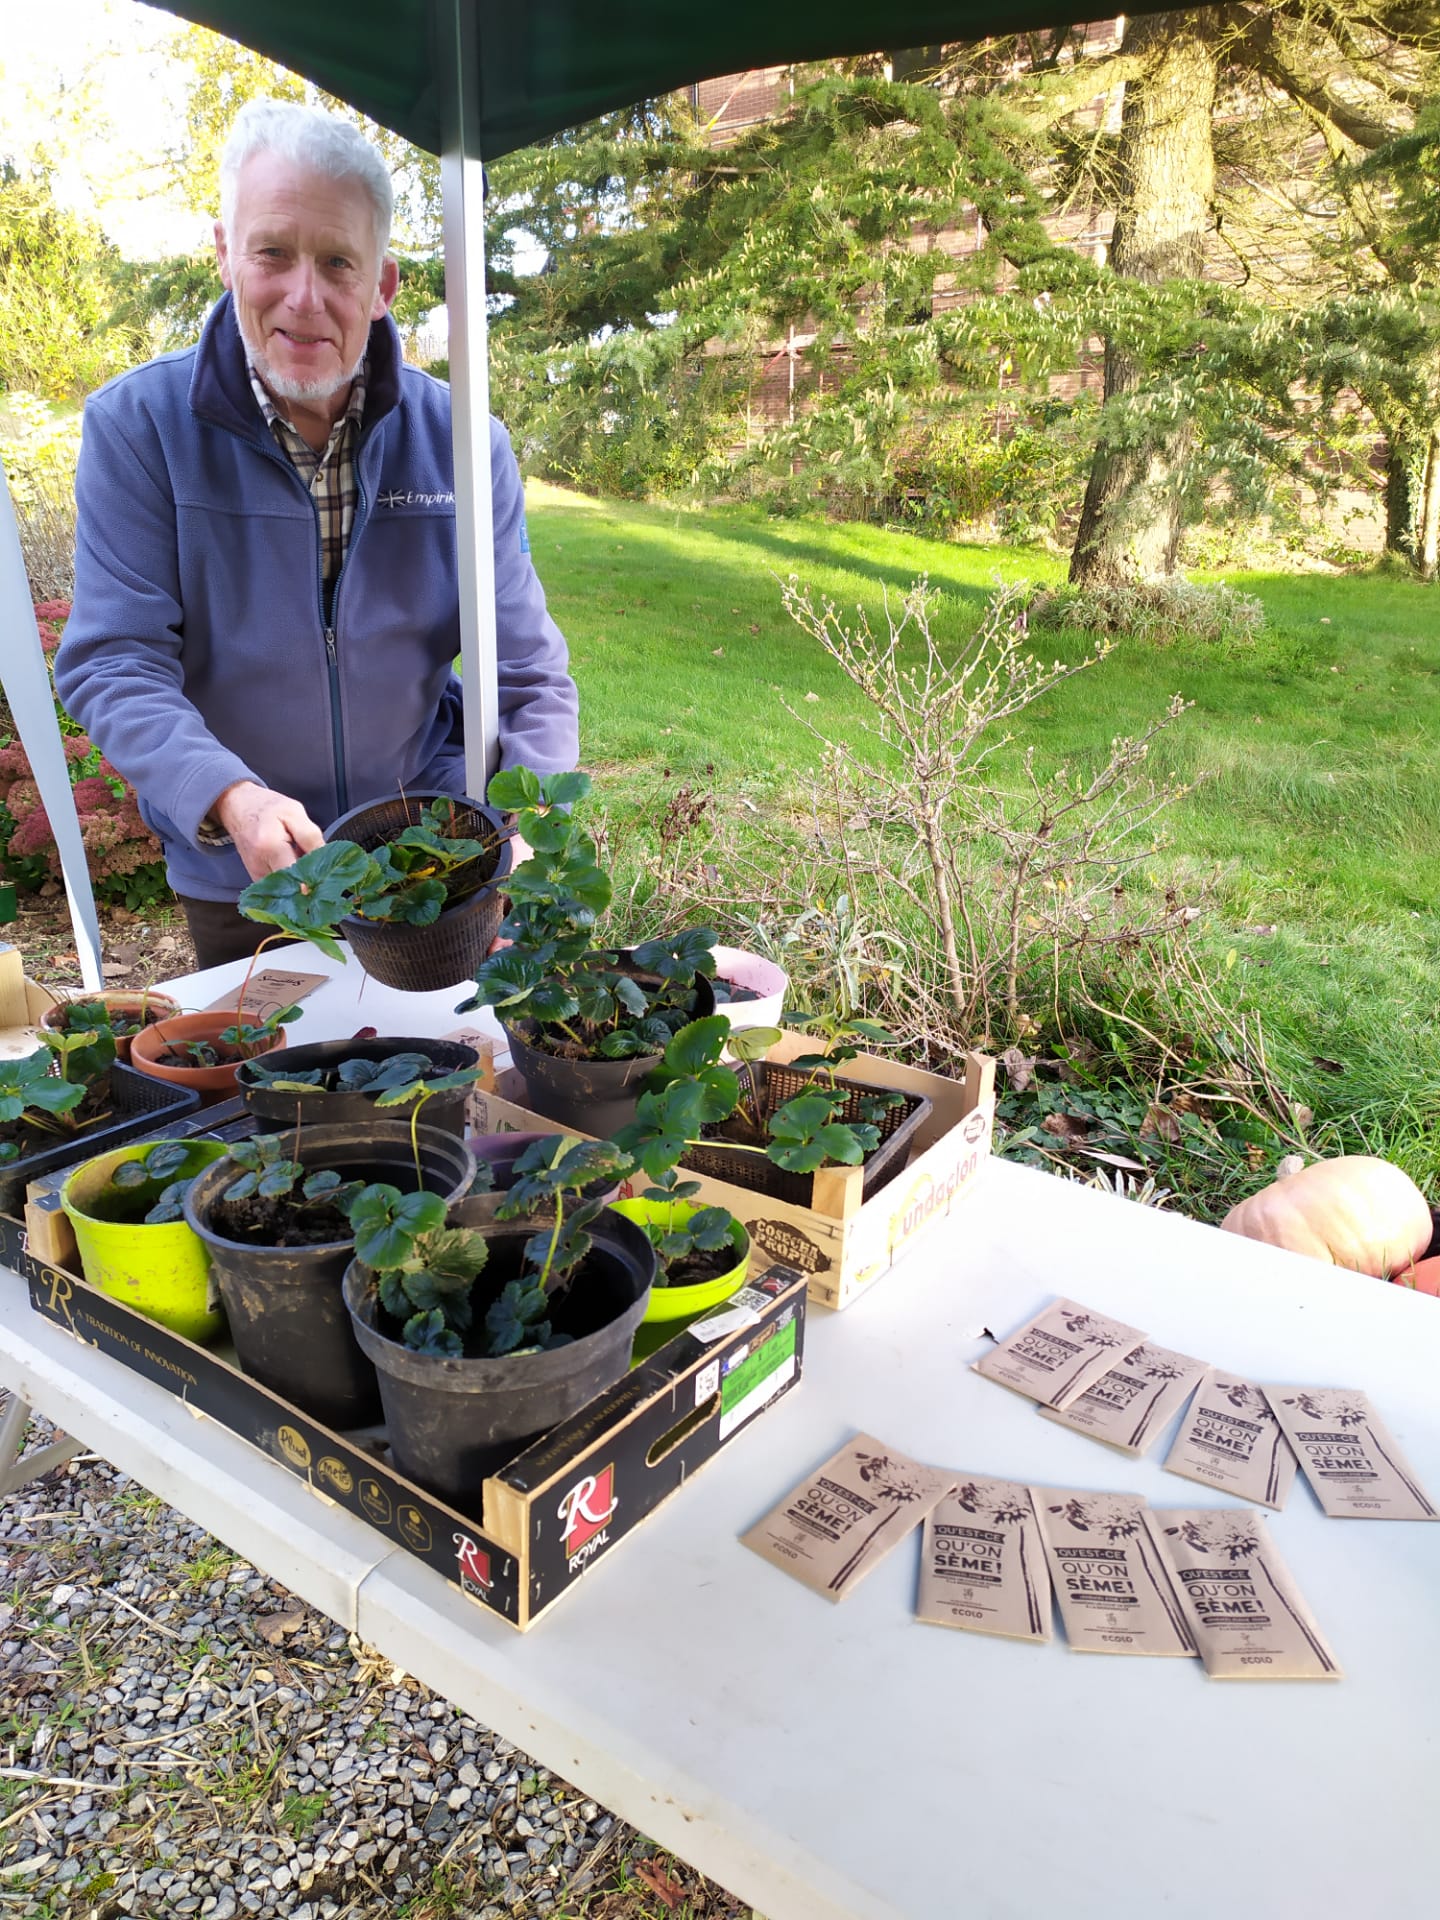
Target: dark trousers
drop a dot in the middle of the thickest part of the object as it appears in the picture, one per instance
(221, 932)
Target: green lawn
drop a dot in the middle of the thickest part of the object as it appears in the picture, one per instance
(1314, 750)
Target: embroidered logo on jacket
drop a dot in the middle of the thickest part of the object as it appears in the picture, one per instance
(397, 497)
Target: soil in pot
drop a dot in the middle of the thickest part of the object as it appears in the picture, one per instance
(287, 1316)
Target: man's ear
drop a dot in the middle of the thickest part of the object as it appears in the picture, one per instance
(388, 287)
(222, 256)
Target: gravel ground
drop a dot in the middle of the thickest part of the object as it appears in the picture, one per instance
(179, 1735)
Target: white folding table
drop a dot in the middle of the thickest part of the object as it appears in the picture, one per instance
(824, 1761)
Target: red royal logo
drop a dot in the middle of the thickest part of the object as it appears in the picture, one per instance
(474, 1563)
(587, 1509)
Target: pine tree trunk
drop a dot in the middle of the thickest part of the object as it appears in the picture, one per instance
(1131, 522)
(1427, 558)
(1400, 502)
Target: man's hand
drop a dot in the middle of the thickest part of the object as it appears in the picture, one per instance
(269, 829)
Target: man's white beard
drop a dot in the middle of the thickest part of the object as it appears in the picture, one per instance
(286, 388)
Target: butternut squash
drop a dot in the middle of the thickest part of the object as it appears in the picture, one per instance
(1355, 1211)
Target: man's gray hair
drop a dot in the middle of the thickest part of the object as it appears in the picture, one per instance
(309, 138)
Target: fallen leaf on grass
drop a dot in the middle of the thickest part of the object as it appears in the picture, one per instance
(659, 1882)
(1161, 1122)
(1019, 1069)
(1328, 1066)
(1065, 1126)
(274, 1627)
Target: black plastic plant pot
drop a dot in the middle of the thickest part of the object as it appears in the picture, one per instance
(287, 1317)
(138, 1105)
(274, 1112)
(452, 1423)
(450, 949)
(593, 1096)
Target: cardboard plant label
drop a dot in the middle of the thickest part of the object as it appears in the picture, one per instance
(269, 990)
(982, 1566)
(1110, 1578)
(1348, 1455)
(1244, 1609)
(845, 1518)
(1058, 1353)
(1132, 1404)
(1231, 1439)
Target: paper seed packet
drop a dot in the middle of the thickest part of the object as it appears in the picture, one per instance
(1058, 1353)
(1348, 1455)
(982, 1566)
(1243, 1607)
(1110, 1578)
(1130, 1406)
(847, 1516)
(1230, 1439)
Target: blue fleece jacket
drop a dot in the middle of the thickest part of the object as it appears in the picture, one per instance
(198, 652)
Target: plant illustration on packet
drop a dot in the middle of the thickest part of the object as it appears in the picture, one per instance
(845, 1518)
(1244, 1609)
(1110, 1578)
(1231, 1439)
(1349, 1455)
(1059, 1353)
(1132, 1404)
(982, 1566)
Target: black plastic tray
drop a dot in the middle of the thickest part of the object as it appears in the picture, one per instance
(138, 1104)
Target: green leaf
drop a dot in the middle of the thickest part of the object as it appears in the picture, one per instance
(387, 1224)
(130, 1173)
(428, 1333)
(242, 1188)
(514, 789)
(418, 905)
(279, 1180)
(698, 1044)
(564, 789)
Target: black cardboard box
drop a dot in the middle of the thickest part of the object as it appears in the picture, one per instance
(557, 1508)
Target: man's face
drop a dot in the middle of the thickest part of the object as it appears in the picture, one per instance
(302, 264)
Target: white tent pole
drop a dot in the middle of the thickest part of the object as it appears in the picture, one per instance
(462, 185)
(27, 688)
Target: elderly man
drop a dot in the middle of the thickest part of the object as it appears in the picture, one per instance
(266, 611)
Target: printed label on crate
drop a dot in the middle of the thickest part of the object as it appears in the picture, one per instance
(1231, 1439)
(930, 1195)
(1059, 1353)
(1130, 1406)
(1110, 1578)
(1245, 1611)
(585, 1512)
(752, 1376)
(846, 1517)
(1349, 1455)
(982, 1565)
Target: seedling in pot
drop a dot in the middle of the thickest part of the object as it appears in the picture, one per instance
(269, 1176)
(416, 1091)
(173, 1163)
(410, 879)
(30, 1093)
(584, 1003)
(427, 1271)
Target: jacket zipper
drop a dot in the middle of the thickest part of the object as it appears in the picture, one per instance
(332, 658)
(357, 527)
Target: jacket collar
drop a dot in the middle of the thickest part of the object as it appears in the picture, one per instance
(220, 383)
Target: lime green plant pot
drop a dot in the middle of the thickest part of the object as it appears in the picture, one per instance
(162, 1272)
(683, 1303)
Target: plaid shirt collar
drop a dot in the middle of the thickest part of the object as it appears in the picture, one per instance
(288, 438)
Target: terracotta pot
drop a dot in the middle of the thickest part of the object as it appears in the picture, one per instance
(211, 1083)
(158, 1006)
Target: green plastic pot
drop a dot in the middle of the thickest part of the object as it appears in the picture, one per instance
(684, 1303)
(162, 1272)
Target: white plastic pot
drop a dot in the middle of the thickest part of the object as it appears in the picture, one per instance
(745, 969)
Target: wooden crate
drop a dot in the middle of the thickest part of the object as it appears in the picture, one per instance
(842, 1242)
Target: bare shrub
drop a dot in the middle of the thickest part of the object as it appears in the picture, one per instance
(1009, 893)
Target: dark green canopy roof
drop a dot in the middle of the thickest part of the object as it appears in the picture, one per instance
(548, 64)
